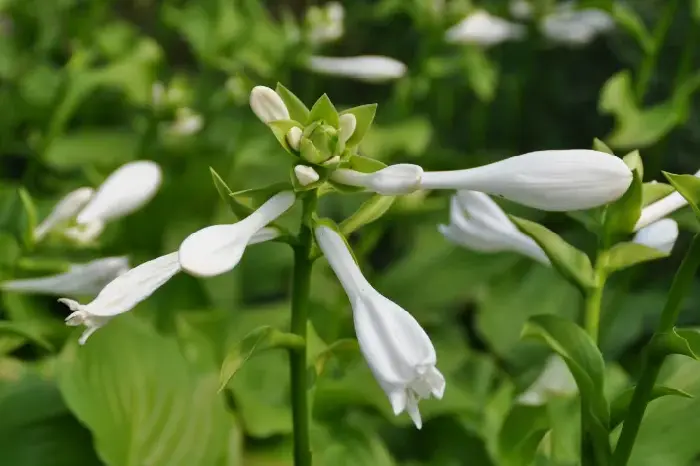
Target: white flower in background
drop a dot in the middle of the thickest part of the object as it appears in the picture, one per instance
(84, 234)
(478, 223)
(187, 122)
(661, 208)
(661, 235)
(217, 249)
(364, 68)
(80, 279)
(554, 180)
(267, 105)
(122, 294)
(567, 25)
(520, 9)
(398, 351)
(305, 175)
(325, 23)
(158, 94)
(125, 191)
(65, 211)
(402, 178)
(484, 29)
(555, 380)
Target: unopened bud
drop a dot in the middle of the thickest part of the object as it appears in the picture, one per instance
(267, 105)
(305, 175)
(348, 123)
(294, 137)
(332, 162)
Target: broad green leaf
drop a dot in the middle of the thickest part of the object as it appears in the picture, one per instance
(600, 146)
(521, 433)
(104, 148)
(622, 215)
(628, 254)
(25, 330)
(634, 161)
(620, 405)
(369, 211)
(574, 265)
(323, 110)
(687, 186)
(261, 339)
(280, 128)
(652, 192)
(645, 127)
(297, 110)
(144, 403)
(364, 114)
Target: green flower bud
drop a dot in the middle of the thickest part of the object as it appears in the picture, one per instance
(320, 142)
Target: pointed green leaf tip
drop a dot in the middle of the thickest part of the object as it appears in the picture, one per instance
(600, 146)
(687, 186)
(297, 110)
(239, 210)
(364, 115)
(622, 215)
(323, 110)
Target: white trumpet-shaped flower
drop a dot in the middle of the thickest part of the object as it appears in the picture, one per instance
(661, 235)
(555, 180)
(66, 209)
(554, 380)
(478, 223)
(661, 208)
(305, 175)
(403, 178)
(80, 279)
(126, 190)
(371, 68)
(398, 351)
(217, 249)
(267, 105)
(122, 294)
(569, 26)
(484, 29)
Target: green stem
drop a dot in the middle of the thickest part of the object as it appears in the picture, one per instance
(649, 63)
(594, 300)
(682, 283)
(301, 287)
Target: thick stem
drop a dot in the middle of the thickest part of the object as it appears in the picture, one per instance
(297, 357)
(682, 283)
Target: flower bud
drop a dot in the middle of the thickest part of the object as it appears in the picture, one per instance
(660, 235)
(294, 138)
(348, 123)
(267, 105)
(305, 175)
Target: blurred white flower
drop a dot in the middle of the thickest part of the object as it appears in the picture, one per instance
(661, 235)
(65, 211)
(305, 175)
(86, 233)
(484, 29)
(555, 380)
(520, 9)
(125, 191)
(80, 279)
(661, 208)
(567, 25)
(267, 105)
(325, 23)
(478, 223)
(403, 178)
(397, 350)
(122, 294)
(554, 180)
(365, 67)
(187, 122)
(217, 249)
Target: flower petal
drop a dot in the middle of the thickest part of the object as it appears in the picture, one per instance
(67, 208)
(660, 235)
(267, 105)
(365, 68)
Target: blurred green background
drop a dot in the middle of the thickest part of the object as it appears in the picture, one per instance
(87, 85)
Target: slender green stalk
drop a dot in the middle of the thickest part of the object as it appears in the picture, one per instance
(682, 283)
(301, 286)
(594, 299)
(649, 63)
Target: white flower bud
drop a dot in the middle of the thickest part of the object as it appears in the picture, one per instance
(348, 123)
(393, 180)
(294, 136)
(305, 175)
(660, 235)
(484, 29)
(267, 105)
(66, 209)
(365, 68)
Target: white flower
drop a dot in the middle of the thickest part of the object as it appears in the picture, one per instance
(217, 249)
(122, 294)
(576, 27)
(555, 380)
(403, 178)
(66, 209)
(555, 180)
(80, 279)
(520, 9)
(660, 235)
(187, 122)
(267, 105)
(398, 351)
(484, 29)
(326, 23)
(365, 68)
(661, 208)
(126, 190)
(294, 136)
(478, 223)
(305, 175)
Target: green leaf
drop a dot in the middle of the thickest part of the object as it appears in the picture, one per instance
(634, 161)
(633, 24)
(622, 215)
(10, 250)
(617, 96)
(365, 164)
(248, 200)
(226, 195)
(345, 351)
(628, 254)
(25, 330)
(130, 398)
(369, 211)
(323, 110)
(297, 110)
(104, 148)
(280, 128)
(653, 191)
(261, 339)
(571, 263)
(343, 444)
(521, 434)
(600, 146)
(645, 127)
(585, 362)
(364, 114)
(30, 215)
(687, 186)
(620, 405)
(482, 73)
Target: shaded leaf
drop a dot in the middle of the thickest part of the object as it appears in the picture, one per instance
(687, 186)
(628, 254)
(369, 211)
(620, 405)
(364, 114)
(297, 110)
